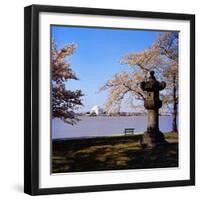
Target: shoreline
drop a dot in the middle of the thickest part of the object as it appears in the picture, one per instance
(100, 137)
(96, 137)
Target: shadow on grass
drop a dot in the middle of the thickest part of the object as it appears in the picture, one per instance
(111, 153)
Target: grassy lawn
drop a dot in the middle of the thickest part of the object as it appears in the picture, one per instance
(112, 153)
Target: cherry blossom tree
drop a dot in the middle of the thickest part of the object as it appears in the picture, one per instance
(167, 46)
(64, 101)
(126, 85)
(162, 57)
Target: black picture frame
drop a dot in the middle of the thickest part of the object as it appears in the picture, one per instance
(31, 98)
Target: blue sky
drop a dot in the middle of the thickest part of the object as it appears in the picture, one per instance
(97, 56)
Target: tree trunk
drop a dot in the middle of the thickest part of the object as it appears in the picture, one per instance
(174, 124)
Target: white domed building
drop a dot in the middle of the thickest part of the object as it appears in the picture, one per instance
(96, 110)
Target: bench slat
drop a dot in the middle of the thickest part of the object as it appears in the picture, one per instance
(129, 130)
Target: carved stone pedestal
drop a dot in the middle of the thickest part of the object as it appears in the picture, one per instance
(152, 137)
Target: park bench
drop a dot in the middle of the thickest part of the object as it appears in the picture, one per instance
(129, 130)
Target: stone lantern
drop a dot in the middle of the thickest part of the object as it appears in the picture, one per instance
(152, 137)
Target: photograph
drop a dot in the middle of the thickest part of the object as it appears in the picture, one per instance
(109, 99)
(114, 98)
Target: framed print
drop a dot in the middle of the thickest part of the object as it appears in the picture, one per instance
(109, 100)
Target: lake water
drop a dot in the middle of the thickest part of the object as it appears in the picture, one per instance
(104, 126)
